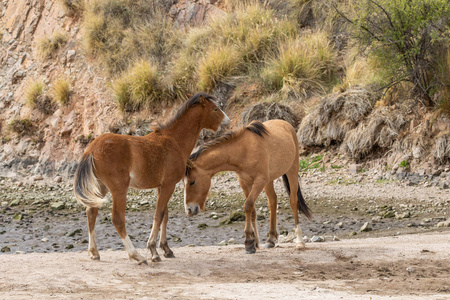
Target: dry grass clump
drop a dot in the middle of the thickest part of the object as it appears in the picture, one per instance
(48, 46)
(33, 91)
(304, 65)
(72, 7)
(61, 91)
(334, 117)
(139, 87)
(380, 130)
(21, 126)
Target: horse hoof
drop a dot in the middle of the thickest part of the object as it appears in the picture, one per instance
(300, 246)
(269, 245)
(95, 257)
(250, 251)
(169, 255)
(156, 259)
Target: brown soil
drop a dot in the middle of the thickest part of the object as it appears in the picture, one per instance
(403, 267)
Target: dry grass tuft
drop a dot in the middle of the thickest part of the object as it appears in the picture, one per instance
(32, 92)
(379, 130)
(139, 87)
(442, 146)
(48, 46)
(72, 7)
(334, 117)
(21, 126)
(61, 91)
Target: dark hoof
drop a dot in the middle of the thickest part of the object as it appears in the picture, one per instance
(169, 255)
(251, 251)
(143, 262)
(156, 259)
(269, 245)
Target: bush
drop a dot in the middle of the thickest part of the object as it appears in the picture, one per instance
(61, 91)
(21, 126)
(32, 92)
(49, 45)
(139, 87)
(407, 36)
(303, 65)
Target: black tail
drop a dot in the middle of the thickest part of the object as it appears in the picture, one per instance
(302, 207)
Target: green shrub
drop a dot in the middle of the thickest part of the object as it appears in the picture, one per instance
(48, 46)
(61, 91)
(405, 36)
(139, 87)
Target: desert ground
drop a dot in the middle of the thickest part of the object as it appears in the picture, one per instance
(405, 255)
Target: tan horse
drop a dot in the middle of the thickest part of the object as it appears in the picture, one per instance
(117, 162)
(259, 154)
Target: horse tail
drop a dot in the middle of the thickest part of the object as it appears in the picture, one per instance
(302, 206)
(86, 187)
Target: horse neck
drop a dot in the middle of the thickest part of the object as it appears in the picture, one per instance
(186, 130)
(220, 158)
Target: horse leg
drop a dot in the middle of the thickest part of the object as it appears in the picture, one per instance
(163, 237)
(91, 213)
(249, 208)
(247, 188)
(118, 219)
(293, 184)
(272, 199)
(164, 193)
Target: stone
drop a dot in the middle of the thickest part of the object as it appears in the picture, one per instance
(268, 111)
(336, 239)
(410, 269)
(38, 178)
(17, 216)
(366, 227)
(15, 202)
(231, 241)
(389, 214)
(289, 238)
(71, 55)
(443, 224)
(222, 243)
(317, 239)
(403, 215)
(68, 247)
(339, 225)
(44, 240)
(5, 249)
(57, 205)
(202, 226)
(352, 233)
(444, 185)
(57, 179)
(354, 169)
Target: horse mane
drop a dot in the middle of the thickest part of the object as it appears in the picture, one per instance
(255, 126)
(192, 101)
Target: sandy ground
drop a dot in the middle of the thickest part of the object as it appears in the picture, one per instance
(404, 267)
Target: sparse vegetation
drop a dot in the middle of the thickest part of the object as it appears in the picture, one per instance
(32, 92)
(140, 87)
(61, 91)
(310, 163)
(21, 126)
(72, 7)
(404, 164)
(48, 46)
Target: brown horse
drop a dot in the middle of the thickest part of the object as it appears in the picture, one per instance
(117, 162)
(259, 154)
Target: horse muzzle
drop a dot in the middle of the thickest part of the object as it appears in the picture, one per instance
(192, 210)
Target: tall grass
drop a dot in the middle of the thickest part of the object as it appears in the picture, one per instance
(48, 46)
(61, 91)
(33, 91)
(305, 64)
(139, 87)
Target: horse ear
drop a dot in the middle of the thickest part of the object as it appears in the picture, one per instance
(189, 166)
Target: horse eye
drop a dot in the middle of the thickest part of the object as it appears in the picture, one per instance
(216, 109)
(192, 182)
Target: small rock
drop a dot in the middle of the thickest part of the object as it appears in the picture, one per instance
(76, 231)
(5, 249)
(317, 239)
(38, 178)
(176, 239)
(403, 215)
(289, 238)
(444, 185)
(57, 179)
(71, 55)
(352, 233)
(44, 240)
(339, 225)
(19, 252)
(444, 223)
(215, 217)
(354, 169)
(70, 246)
(202, 226)
(15, 202)
(222, 243)
(410, 269)
(231, 241)
(366, 227)
(17, 216)
(58, 205)
(389, 214)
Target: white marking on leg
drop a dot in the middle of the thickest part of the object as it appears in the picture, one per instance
(129, 246)
(92, 244)
(299, 239)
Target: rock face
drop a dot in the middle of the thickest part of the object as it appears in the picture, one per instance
(268, 111)
(194, 12)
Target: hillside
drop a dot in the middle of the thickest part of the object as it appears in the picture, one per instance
(67, 76)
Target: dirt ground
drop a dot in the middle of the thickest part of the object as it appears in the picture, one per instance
(404, 267)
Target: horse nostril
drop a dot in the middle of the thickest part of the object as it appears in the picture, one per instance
(189, 211)
(197, 210)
